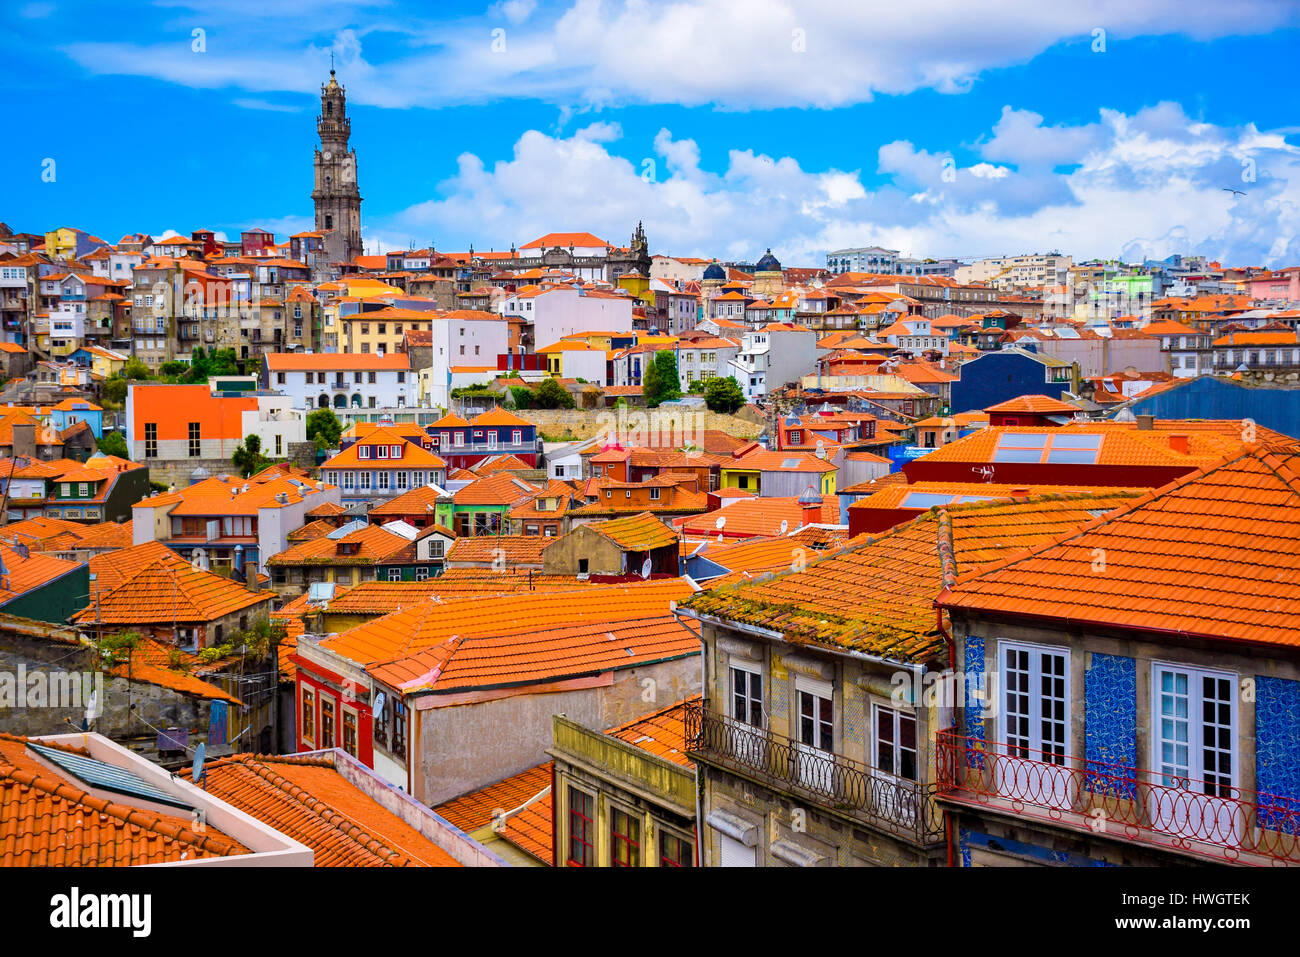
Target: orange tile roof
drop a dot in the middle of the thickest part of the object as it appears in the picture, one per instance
(417, 501)
(894, 496)
(376, 544)
(306, 798)
(763, 460)
(1122, 444)
(498, 416)
(636, 532)
(23, 574)
(161, 593)
(530, 657)
(877, 595)
(333, 361)
(662, 733)
(150, 661)
(552, 240)
(431, 624)
(758, 516)
(530, 829)
(1034, 404)
(773, 554)
(499, 489)
(413, 456)
(507, 549)
(48, 819)
(1215, 554)
(500, 463)
(112, 569)
(312, 530)
(325, 510)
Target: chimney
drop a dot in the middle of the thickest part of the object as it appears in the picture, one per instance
(1145, 423)
(24, 441)
(1020, 493)
(1178, 443)
(810, 507)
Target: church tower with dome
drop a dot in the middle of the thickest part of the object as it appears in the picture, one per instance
(769, 280)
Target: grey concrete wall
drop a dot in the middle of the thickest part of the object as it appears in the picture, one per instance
(466, 747)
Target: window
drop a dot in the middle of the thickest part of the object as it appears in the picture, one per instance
(326, 722)
(674, 851)
(815, 718)
(279, 376)
(83, 489)
(1035, 705)
(582, 821)
(625, 839)
(436, 548)
(1194, 742)
(363, 451)
(350, 732)
(381, 481)
(747, 695)
(308, 716)
(370, 377)
(394, 451)
(398, 748)
(356, 378)
(381, 451)
(654, 494)
(195, 446)
(151, 440)
(517, 437)
(394, 574)
(422, 573)
(896, 743)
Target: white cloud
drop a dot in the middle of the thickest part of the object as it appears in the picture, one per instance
(738, 54)
(1146, 184)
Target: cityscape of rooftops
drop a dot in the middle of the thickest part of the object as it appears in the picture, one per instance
(607, 434)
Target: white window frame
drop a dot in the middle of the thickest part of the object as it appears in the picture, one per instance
(1029, 774)
(752, 669)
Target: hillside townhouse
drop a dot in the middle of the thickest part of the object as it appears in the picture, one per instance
(466, 443)
(772, 356)
(556, 311)
(227, 523)
(430, 685)
(1274, 351)
(813, 742)
(1131, 699)
(382, 464)
(1187, 352)
(912, 334)
(705, 357)
(340, 381)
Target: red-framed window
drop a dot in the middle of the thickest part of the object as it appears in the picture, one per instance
(674, 851)
(582, 829)
(326, 723)
(625, 839)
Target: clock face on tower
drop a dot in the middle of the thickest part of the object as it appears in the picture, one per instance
(326, 154)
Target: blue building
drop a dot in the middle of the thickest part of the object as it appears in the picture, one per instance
(1004, 374)
(71, 411)
(1208, 397)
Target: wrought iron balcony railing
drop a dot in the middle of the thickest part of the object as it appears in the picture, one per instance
(1202, 818)
(894, 805)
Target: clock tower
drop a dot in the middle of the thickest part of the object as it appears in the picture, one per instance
(336, 195)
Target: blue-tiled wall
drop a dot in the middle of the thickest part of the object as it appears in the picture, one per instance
(1277, 752)
(1110, 721)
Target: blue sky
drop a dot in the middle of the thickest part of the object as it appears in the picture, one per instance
(1109, 129)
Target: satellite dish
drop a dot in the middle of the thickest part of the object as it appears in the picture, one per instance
(93, 710)
(378, 706)
(645, 567)
(722, 520)
(196, 770)
(785, 525)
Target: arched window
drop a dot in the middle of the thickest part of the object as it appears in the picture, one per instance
(340, 401)
(323, 402)
(356, 401)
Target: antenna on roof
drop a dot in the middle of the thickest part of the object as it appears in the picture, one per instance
(199, 774)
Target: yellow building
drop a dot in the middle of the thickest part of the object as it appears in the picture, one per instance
(779, 474)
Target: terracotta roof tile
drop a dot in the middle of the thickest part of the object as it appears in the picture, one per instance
(877, 595)
(48, 819)
(306, 798)
(1214, 554)
(530, 829)
(163, 592)
(507, 549)
(636, 532)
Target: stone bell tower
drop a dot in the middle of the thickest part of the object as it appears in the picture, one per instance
(335, 194)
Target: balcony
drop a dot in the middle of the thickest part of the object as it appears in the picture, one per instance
(1182, 815)
(898, 807)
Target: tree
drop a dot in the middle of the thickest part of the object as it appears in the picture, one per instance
(248, 458)
(112, 394)
(113, 443)
(173, 369)
(135, 370)
(723, 394)
(551, 395)
(522, 396)
(324, 428)
(660, 381)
